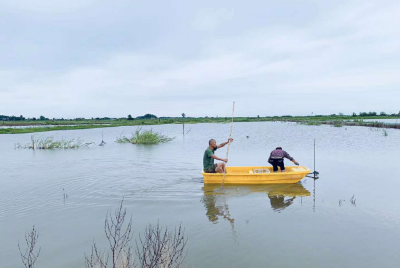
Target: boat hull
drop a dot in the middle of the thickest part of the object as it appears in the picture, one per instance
(248, 175)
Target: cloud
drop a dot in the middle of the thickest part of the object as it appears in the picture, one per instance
(208, 19)
(47, 6)
(277, 68)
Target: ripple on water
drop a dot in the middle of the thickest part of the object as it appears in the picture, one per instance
(164, 182)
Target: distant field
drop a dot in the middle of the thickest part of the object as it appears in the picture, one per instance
(30, 126)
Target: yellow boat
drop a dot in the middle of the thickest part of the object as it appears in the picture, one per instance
(257, 175)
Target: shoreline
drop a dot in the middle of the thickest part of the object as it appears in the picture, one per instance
(54, 125)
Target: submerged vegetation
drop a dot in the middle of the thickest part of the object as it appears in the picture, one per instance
(144, 137)
(340, 123)
(157, 246)
(50, 143)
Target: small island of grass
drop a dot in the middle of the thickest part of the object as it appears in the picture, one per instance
(144, 137)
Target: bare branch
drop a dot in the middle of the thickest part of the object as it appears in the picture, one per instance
(29, 257)
(118, 238)
(161, 248)
(157, 247)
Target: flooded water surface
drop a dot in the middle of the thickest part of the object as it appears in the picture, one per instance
(349, 217)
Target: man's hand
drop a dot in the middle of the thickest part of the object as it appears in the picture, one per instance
(230, 140)
(294, 161)
(224, 160)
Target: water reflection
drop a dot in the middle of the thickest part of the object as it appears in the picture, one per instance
(216, 204)
(280, 195)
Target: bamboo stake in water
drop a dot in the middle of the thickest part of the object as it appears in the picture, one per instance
(314, 158)
(229, 143)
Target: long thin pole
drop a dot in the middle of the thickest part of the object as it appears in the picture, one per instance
(229, 143)
(314, 158)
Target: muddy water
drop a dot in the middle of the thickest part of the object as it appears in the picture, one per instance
(349, 217)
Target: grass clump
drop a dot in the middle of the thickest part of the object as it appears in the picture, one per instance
(385, 133)
(45, 143)
(309, 123)
(144, 137)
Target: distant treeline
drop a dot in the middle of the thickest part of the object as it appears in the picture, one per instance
(20, 118)
(153, 117)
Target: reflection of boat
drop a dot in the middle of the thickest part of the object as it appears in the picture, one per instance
(217, 207)
(251, 175)
(276, 193)
(291, 190)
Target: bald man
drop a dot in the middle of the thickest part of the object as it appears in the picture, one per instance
(209, 156)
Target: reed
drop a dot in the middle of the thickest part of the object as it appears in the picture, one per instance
(144, 137)
(46, 143)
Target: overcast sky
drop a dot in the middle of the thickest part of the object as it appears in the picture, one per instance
(89, 58)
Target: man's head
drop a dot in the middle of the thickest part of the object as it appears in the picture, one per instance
(278, 148)
(212, 143)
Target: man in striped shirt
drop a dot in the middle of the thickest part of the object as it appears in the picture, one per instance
(276, 159)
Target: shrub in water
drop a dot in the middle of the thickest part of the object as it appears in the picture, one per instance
(144, 137)
(50, 143)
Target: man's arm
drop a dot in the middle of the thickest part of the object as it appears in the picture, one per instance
(285, 154)
(225, 143)
(220, 159)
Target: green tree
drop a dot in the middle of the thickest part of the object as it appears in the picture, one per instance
(147, 116)
(130, 117)
(183, 115)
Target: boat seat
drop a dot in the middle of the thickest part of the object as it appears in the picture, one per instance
(262, 170)
(251, 171)
(298, 169)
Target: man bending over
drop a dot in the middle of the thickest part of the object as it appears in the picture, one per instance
(209, 156)
(276, 159)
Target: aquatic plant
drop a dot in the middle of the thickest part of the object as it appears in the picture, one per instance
(29, 256)
(337, 124)
(158, 247)
(309, 123)
(353, 200)
(144, 137)
(385, 133)
(50, 143)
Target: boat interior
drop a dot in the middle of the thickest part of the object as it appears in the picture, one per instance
(262, 170)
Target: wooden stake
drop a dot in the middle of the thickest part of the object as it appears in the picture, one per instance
(314, 158)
